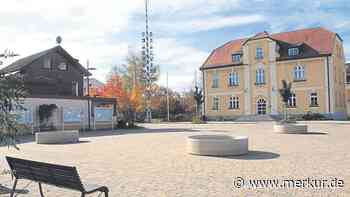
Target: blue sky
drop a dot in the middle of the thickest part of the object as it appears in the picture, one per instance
(185, 31)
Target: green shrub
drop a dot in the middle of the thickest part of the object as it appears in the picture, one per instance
(314, 116)
(196, 120)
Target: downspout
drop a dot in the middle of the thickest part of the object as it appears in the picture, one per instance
(329, 88)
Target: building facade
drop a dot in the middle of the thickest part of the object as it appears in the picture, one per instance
(54, 77)
(347, 87)
(243, 77)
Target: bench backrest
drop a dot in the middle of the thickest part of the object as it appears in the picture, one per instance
(52, 174)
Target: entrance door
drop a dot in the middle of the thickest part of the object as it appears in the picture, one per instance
(261, 106)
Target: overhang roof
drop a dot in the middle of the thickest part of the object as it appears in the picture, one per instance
(318, 40)
(23, 62)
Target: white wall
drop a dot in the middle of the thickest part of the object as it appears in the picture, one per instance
(34, 103)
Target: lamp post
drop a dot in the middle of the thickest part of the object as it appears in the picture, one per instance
(88, 68)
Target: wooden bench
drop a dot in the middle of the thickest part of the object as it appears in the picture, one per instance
(51, 174)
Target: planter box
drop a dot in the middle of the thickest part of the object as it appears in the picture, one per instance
(290, 128)
(217, 145)
(57, 137)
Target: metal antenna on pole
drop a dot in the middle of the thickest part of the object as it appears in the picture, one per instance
(7, 54)
(149, 70)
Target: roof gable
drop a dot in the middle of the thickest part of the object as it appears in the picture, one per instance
(26, 61)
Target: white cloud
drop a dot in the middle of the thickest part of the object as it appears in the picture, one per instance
(92, 30)
(211, 23)
(180, 61)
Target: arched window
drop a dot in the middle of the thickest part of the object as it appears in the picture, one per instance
(261, 107)
(299, 73)
(260, 76)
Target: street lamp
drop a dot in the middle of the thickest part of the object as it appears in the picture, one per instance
(88, 68)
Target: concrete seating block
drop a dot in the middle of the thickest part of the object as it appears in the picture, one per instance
(217, 145)
(57, 137)
(290, 128)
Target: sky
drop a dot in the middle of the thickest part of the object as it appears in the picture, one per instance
(185, 31)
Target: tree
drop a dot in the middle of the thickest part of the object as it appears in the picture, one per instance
(114, 89)
(286, 93)
(11, 92)
(131, 75)
(198, 97)
(96, 91)
(136, 99)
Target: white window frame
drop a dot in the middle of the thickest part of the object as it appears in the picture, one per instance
(261, 109)
(292, 101)
(236, 58)
(233, 79)
(216, 103)
(215, 80)
(294, 51)
(260, 76)
(299, 73)
(234, 102)
(314, 99)
(259, 53)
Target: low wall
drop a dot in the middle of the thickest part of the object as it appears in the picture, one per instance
(57, 137)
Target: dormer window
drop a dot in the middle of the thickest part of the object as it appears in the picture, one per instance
(293, 51)
(236, 58)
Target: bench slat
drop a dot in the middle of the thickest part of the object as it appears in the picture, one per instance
(58, 175)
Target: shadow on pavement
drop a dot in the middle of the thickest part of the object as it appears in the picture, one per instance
(252, 155)
(6, 190)
(134, 131)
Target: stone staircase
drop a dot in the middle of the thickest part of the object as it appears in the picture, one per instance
(257, 118)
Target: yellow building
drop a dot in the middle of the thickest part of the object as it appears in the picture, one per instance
(243, 76)
(347, 87)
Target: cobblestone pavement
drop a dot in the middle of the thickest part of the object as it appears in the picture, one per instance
(153, 161)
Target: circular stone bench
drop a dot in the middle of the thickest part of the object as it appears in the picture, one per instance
(290, 128)
(57, 137)
(217, 145)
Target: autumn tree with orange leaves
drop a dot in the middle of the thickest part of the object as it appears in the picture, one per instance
(114, 89)
(125, 83)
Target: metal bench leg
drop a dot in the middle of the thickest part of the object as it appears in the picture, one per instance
(106, 193)
(13, 188)
(41, 190)
(83, 194)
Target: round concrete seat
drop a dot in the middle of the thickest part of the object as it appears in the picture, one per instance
(57, 137)
(290, 128)
(217, 145)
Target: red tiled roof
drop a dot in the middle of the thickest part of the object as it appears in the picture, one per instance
(222, 55)
(319, 39)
